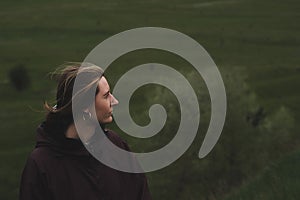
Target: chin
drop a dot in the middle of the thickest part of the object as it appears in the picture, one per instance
(106, 121)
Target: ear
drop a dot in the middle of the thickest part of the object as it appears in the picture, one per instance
(90, 109)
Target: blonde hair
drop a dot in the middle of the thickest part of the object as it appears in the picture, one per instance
(61, 114)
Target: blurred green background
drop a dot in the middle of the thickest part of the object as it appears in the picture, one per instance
(255, 44)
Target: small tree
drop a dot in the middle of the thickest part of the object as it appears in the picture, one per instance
(19, 78)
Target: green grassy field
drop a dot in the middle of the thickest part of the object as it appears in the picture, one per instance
(260, 37)
(280, 180)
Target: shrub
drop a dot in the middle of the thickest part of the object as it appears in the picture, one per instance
(251, 138)
(19, 78)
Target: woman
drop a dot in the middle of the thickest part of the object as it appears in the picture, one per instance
(60, 167)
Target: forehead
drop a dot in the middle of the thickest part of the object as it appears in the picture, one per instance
(103, 85)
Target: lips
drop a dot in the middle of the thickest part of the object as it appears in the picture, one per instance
(109, 114)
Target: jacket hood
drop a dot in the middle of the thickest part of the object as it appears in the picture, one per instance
(62, 147)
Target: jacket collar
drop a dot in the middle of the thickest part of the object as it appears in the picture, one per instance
(63, 146)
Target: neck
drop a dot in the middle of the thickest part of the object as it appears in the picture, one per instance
(72, 132)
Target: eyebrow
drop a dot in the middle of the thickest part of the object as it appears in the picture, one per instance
(106, 93)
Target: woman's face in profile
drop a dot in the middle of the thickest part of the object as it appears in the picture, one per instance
(104, 101)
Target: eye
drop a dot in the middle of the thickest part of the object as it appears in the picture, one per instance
(106, 95)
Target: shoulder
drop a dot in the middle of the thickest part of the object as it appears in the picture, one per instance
(40, 153)
(40, 157)
(34, 162)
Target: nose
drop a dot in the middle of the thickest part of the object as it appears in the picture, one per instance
(113, 100)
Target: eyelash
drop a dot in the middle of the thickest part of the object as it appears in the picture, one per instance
(106, 96)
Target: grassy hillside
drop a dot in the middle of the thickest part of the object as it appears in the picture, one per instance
(279, 180)
(262, 37)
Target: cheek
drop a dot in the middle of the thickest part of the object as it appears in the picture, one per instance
(102, 106)
(99, 106)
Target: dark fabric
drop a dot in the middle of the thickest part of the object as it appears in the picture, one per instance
(65, 170)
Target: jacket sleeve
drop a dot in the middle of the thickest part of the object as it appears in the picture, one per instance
(33, 183)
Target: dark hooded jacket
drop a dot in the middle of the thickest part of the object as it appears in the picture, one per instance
(65, 170)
